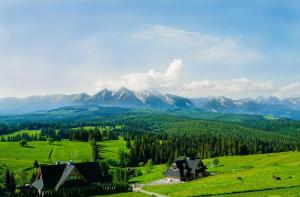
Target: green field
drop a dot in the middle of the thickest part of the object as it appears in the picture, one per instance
(109, 150)
(149, 174)
(286, 192)
(128, 194)
(29, 132)
(17, 158)
(255, 170)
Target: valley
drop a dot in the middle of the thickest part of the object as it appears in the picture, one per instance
(136, 146)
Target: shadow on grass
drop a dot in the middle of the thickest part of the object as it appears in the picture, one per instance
(133, 182)
(250, 191)
(29, 146)
(30, 168)
(57, 144)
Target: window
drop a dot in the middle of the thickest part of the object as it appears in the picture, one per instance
(73, 177)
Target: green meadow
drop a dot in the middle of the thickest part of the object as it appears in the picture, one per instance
(149, 173)
(15, 157)
(109, 150)
(128, 194)
(29, 132)
(256, 172)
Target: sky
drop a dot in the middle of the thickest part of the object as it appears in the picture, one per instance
(192, 48)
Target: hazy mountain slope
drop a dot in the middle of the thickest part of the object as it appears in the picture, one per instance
(121, 98)
(35, 103)
(285, 108)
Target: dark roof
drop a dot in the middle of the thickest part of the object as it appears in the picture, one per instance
(91, 171)
(193, 163)
(182, 169)
(51, 174)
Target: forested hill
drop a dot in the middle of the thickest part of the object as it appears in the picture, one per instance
(163, 134)
(158, 119)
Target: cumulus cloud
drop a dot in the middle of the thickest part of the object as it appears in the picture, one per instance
(233, 87)
(289, 90)
(151, 80)
(201, 47)
(170, 81)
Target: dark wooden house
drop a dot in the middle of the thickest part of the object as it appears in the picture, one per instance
(53, 177)
(186, 170)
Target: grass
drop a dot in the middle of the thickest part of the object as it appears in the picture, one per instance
(109, 150)
(127, 194)
(29, 132)
(149, 174)
(255, 170)
(292, 191)
(15, 157)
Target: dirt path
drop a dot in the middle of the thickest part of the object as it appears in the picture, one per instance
(139, 189)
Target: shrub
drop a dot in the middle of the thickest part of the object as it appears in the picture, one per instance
(23, 143)
(138, 172)
(50, 140)
(216, 162)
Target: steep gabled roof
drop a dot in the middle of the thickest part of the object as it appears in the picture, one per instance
(51, 175)
(67, 171)
(91, 171)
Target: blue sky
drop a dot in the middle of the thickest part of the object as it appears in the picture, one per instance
(191, 48)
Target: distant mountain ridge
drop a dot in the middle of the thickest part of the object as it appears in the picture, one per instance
(121, 98)
(286, 108)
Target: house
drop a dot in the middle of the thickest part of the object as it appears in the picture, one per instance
(53, 177)
(186, 170)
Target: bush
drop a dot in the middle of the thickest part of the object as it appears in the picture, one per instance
(23, 143)
(50, 140)
(138, 172)
(216, 162)
(150, 162)
(36, 164)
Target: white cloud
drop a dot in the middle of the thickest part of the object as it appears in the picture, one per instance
(170, 81)
(289, 90)
(233, 87)
(203, 48)
(151, 80)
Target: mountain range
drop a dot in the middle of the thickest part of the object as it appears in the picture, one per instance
(285, 108)
(282, 108)
(121, 98)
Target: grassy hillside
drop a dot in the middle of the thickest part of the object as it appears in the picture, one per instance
(17, 158)
(128, 194)
(29, 132)
(109, 150)
(255, 170)
(149, 173)
(290, 192)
